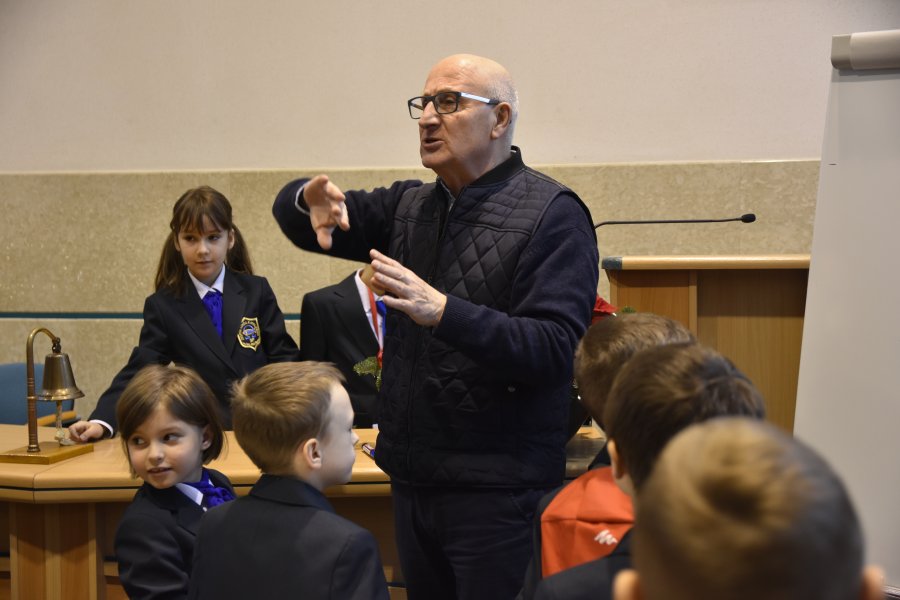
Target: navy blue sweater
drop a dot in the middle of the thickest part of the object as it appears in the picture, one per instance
(482, 398)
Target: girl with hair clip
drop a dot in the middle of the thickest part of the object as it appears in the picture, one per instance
(209, 312)
(170, 428)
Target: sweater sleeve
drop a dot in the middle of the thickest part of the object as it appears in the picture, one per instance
(553, 292)
(371, 215)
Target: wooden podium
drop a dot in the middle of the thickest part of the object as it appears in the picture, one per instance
(749, 308)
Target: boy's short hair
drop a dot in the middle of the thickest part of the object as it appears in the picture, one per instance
(662, 390)
(607, 346)
(278, 407)
(737, 509)
(182, 392)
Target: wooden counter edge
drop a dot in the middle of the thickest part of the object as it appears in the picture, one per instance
(645, 263)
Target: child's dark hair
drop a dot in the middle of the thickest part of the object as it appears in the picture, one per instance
(182, 392)
(188, 215)
(662, 390)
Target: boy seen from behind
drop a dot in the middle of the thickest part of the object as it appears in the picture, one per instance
(572, 520)
(659, 392)
(738, 510)
(294, 421)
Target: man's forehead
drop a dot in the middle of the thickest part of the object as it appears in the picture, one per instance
(444, 77)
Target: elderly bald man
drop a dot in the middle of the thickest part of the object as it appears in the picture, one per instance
(491, 272)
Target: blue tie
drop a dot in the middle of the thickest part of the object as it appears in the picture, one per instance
(212, 495)
(382, 311)
(213, 303)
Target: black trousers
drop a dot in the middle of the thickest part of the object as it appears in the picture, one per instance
(464, 543)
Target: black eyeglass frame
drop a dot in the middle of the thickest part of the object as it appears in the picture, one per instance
(456, 95)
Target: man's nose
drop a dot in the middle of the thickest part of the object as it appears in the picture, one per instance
(429, 116)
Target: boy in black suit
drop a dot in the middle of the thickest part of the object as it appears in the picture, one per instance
(660, 391)
(341, 324)
(170, 429)
(294, 421)
(738, 510)
(570, 519)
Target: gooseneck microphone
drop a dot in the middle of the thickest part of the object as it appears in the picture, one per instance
(747, 218)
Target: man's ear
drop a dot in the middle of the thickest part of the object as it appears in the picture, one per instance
(627, 586)
(503, 117)
(872, 584)
(311, 452)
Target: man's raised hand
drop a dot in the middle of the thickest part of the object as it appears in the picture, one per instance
(327, 209)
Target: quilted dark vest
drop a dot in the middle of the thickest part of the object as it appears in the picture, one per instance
(445, 420)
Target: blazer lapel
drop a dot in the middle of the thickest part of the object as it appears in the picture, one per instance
(186, 512)
(234, 301)
(191, 308)
(352, 315)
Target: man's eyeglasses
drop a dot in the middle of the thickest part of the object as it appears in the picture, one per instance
(444, 103)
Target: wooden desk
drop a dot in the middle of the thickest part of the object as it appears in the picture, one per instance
(750, 308)
(62, 517)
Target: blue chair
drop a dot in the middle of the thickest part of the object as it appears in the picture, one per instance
(14, 394)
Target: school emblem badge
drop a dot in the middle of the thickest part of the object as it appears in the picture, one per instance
(248, 333)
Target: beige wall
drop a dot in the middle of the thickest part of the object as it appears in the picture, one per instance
(98, 85)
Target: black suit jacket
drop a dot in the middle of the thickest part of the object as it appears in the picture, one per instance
(178, 329)
(592, 580)
(334, 328)
(155, 541)
(283, 540)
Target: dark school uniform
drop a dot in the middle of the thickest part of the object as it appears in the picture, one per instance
(178, 329)
(334, 328)
(284, 540)
(154, 541)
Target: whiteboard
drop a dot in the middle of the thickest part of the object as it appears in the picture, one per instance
(848, 398)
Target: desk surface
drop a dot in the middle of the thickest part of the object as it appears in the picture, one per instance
(103, 475)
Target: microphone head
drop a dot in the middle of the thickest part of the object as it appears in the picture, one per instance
(748, 218)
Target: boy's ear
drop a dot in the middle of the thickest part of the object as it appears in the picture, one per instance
(872, 584)
(311, 451)
(627, 586)
(618, 468)
(206, 438)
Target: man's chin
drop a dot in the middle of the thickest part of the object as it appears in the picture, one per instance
(429, 160)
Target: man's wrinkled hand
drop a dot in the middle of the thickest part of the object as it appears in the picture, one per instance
(407, 292)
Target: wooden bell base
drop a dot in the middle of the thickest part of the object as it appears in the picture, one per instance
(50, 453)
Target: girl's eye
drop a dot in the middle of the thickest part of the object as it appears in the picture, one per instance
(136, 441)
(215, 237)
(170, 437)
